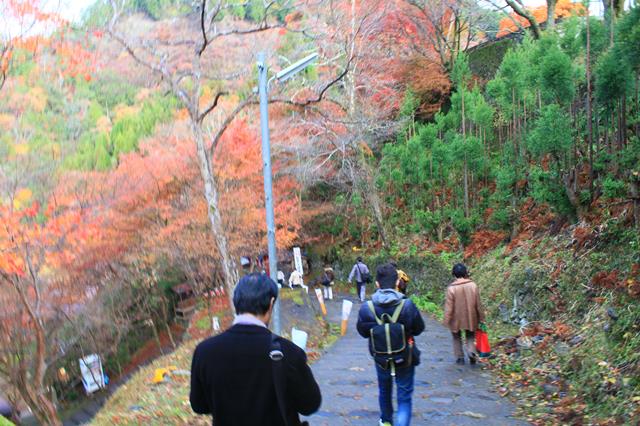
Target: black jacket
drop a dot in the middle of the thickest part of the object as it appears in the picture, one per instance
(385, 301)
(232, 379)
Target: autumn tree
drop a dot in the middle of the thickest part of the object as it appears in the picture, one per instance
(23, 22)
(37, 245)
(189, 55)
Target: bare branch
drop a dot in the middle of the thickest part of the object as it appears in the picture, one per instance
(522, 11)
(211, 106)
(223, 126)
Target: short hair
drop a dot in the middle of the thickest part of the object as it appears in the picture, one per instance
(460, 271)
(359, 259)
(387, 276)
(253, 294)
(394, 264)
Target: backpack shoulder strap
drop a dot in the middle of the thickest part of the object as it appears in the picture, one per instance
(396, 313)
(373, 310)
(277, 357)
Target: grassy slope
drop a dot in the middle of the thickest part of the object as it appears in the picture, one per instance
(139, 401)
(586, 367)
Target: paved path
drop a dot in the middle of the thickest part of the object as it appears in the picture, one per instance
(444, 393)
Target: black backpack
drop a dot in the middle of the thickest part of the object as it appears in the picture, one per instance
(364, 276)
(388, 341)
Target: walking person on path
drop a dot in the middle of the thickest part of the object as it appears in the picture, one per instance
(360, 272)
(389, 307)
(463, 312)
(248, 376)
(327, 282)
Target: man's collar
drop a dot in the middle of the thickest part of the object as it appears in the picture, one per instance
(248, 319)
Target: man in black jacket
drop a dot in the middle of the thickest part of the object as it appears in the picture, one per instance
(234, 376)
(385, 300)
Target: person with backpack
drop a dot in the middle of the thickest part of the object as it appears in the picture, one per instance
(391, 321)
(327, 282)
(463, 312)
(404, 279)
(360, 272)
(248, 376)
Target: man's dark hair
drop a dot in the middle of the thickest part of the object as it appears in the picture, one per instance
(460, 271)
(387, 276)
(359, 259)
(253, 294)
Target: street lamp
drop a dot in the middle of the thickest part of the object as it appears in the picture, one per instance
(263, 88)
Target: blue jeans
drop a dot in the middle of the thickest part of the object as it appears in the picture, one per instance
(404, 383)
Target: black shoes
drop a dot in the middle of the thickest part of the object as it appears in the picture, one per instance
(472, 360)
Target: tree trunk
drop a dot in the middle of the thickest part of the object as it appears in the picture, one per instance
(34, 395)
(570, 189)
(466, 167)
(637, 102)
(212, 196)
(635, 195)
(589, 118)
(370, 194)
(551, 14)
(373, 199)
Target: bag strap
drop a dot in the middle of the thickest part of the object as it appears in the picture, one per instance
(396, 313)
(359, 272)
(373, 309)
(394, 317)
(277, 356)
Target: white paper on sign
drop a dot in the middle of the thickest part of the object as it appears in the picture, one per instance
(299, 337)
(92, 374)
(346, 309)
(297, 257)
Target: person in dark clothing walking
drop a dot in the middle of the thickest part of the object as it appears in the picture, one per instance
(360, 272)
(385, 301)
(234, 376)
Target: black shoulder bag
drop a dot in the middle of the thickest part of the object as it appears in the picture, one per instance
(279, 382)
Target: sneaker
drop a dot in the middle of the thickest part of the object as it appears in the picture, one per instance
(381, 423)
(460, 361)
(472, 359)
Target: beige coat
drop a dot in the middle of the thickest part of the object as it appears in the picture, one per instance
(462, 307)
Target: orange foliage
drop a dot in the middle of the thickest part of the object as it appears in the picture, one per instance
(482, 242)
(564, 8)
(429, 82)
(604, 279)
(238, 160)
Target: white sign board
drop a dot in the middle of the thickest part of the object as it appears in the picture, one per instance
(299, 337)
(297, 257)
(92, 374)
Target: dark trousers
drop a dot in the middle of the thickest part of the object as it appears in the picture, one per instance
(470, 338)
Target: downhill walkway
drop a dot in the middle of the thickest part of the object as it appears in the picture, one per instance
(444, 393)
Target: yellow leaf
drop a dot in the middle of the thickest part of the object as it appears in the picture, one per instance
(21, 149)
(22, 198)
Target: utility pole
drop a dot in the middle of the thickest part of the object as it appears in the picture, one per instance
(263, 90)
(268, 182)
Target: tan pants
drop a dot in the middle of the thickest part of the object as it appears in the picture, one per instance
(470, 344)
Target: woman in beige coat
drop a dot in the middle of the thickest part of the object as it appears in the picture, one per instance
(463, 311)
